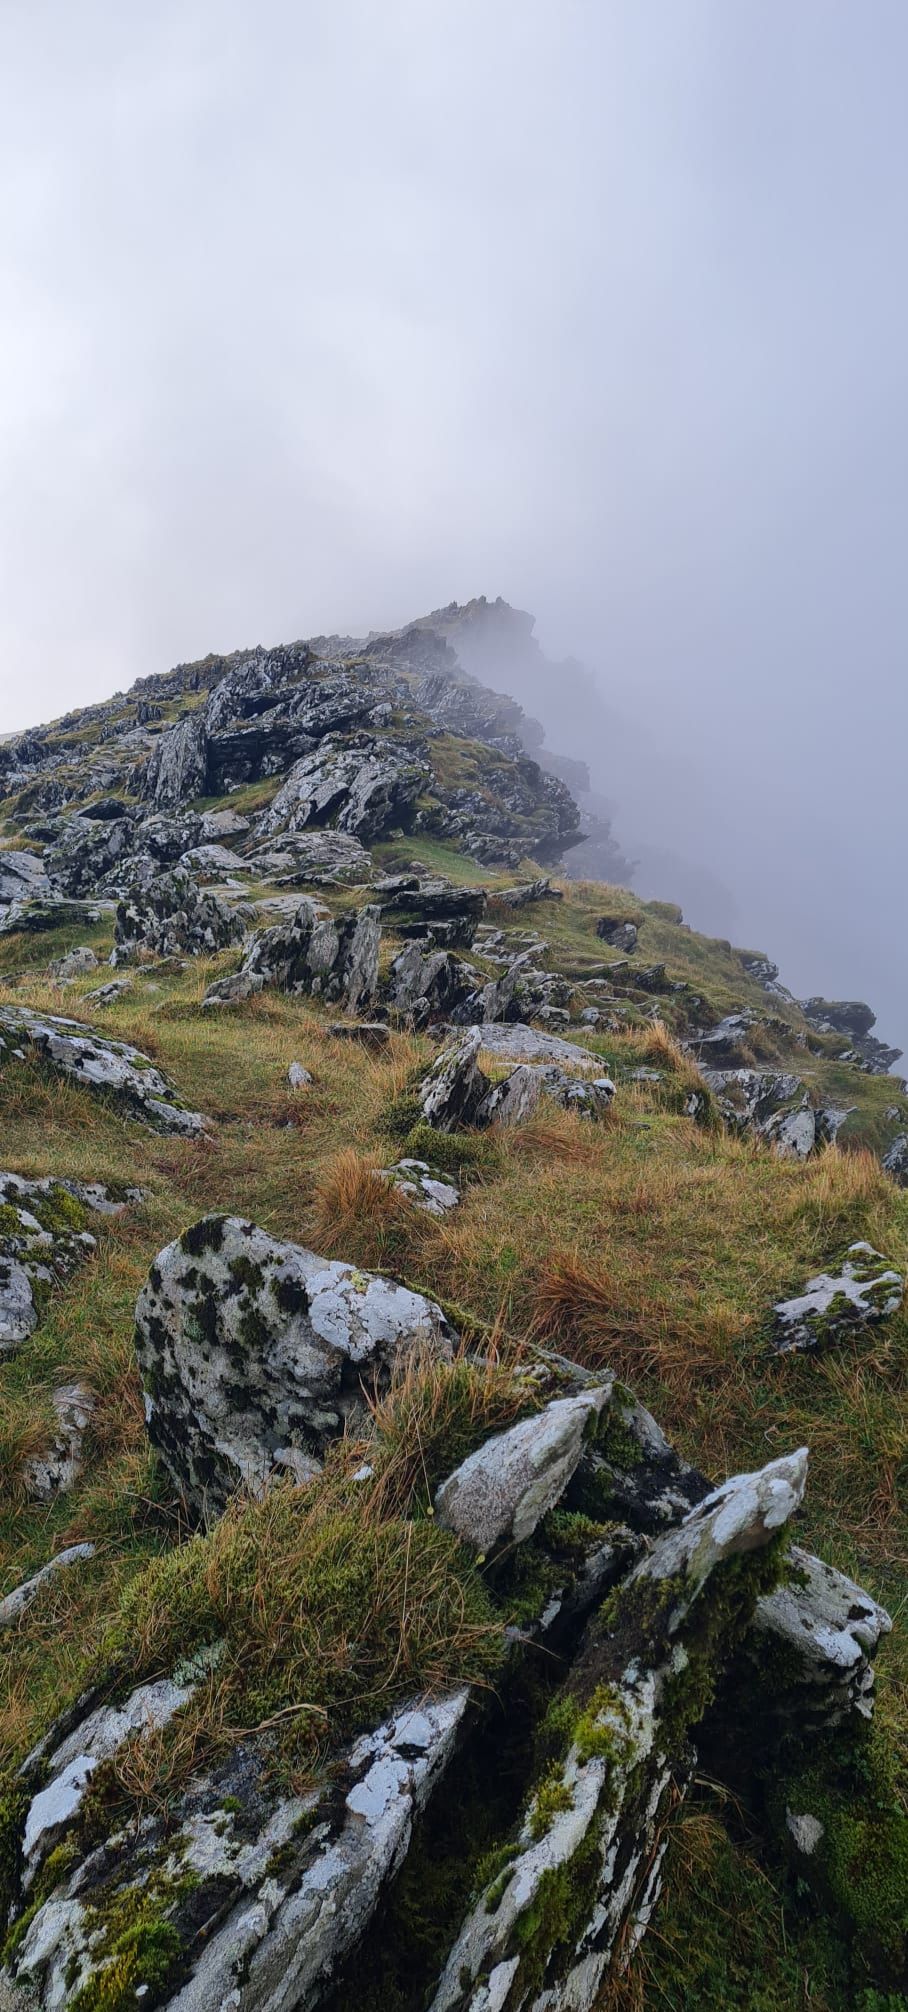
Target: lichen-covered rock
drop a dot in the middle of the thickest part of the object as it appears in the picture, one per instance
(431, 910)
(514, 1101)
(451, 1093)
(16, 1603)
(44, 1236)
(74, 964)
(321, 858)
(793, 1133)
(422, 985)
(829, 1630)
(254, 1354)
(542, 1934)
(336, 958)
(618, 932)
(502, 1491)
(364, 785)
(415, 1181)
(865, 1289)
(895, 1159)
(525, 892)
(516, 1042)
(173, 914)
(22, 875)
(107, 1068)
(52, 1472)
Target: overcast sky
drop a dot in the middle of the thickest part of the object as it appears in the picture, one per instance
(319, 313)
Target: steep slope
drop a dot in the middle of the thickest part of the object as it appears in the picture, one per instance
(548, 1117)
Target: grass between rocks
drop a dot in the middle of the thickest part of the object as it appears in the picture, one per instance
(650, 1244)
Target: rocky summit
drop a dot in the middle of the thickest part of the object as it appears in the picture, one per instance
(452, 1380)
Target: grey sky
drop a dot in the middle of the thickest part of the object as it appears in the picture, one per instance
(317, 315)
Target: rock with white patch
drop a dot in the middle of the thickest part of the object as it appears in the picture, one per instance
(864, 1289)
(45, 1234)
(17, 1603)
(415, 1181)
(335, 958)
(252, 1352)
(501, 1492)
(110, 1069)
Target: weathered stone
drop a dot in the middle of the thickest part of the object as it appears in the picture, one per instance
(500, 1493)
(519, 1043)
(255, 1353)
(320, 858)
(833, 1305)
(17, 1603)
(74, 964)
(313, 952)
(365, 786)
(793, 1133)
(830, 1630)
(451, 1093)
(174, 914)
(107, 995)
(423, 986)
(598, 1836)
(372, 1034)
(618, 931)
(514, 1101)
(525, 893)
(106, 1068)
(415, 1181)
(298, 1078)
(44, 1238)
(53, 1472)
(895, 1159)
(22, 875)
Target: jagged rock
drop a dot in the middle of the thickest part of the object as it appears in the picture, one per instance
(44, 1237)
(213, 862)
(174, 914)
(831, 1630)
(22, 875)
(365, 786)
(70, 1765)
(86, 852)
(323, 858)
(720, 1046)
(614, 1779)
(515, 1100)
(369, 1033)
(431, 909)
(895, 1159)
(74, 964)
(16, 1603)
(338, 959)
(107, 1068)
(865, 1289)
(220, 825)
(422, 986)
(231, 991)
(415, 1180)
(839, 1016)
(53, 1472)
(526, 892)
(178, 769)
(451, 1093)
(793, 1133)
(748, 1097)
(255, 1353)
(501, 1492)
(298, 1078)
(617, 931)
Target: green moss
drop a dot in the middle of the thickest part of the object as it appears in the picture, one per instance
(206, 1235)
(551, 1927)
(551, 1799)
(137, 1943)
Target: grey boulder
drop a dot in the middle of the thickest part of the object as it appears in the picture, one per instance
(865, 1289)
(254, 1354)
(111, 1069)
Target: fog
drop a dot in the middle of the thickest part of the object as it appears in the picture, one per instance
(316, 316)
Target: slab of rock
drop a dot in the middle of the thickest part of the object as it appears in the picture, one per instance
(830, 1630)
(614, 1780)
(519, 1043)
(321, 858)
(44, 1237)
(503, 1490)
(424, 985)
(865, 1289)
(17, 1603)
(173, 914)
(110, 1069)
(525, 893)
(362, 784)
(221, 825)
(107, 995)
(415, 1180)
(617, 931)
(53, 1472)
(451, 1093)
(254, 1354)
(22, 875)
(515, 1100)
(793, 1133)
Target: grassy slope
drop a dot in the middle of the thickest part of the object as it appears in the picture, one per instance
(648, 1243)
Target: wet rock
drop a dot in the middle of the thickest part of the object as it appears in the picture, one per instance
(793, 1133)
(254, 1354)
(502, 1491)
(106, 1068)
(514, 1101)
(313, 952)
(865, 1289)
(617, 931)
(830, 1630)
(53, 1472)
(44, 1237)
(598, 1838)
(17, 1603)
(415, 1180)
(86, 853)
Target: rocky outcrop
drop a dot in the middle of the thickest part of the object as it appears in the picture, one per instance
(110, 1069)
(895, 1159)
(618, 932)
(431, 909)
(503, 1490)
(314, 952)
(316, 857)
(865, 1289)
(254, 1354)
(458, 1092)
(22, 875)
(44, 1237)
(173, 915)
(364, 786)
